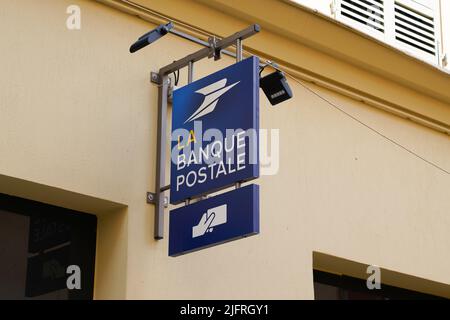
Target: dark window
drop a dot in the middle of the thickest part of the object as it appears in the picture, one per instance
(328, 286)
(37, 244)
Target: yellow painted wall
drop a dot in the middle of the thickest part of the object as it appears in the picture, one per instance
(78, 113)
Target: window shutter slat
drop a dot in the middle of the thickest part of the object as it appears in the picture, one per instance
(406, 24)
(366, 13)
(415, 29)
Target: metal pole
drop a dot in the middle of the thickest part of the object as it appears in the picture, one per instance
(238, 50)
(160, 180)
(190, 71)
(199, 41)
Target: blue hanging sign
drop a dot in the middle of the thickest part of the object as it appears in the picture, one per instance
(215, 128)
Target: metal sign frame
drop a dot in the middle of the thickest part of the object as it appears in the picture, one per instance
(162, 79)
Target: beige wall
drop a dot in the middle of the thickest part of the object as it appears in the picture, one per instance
(323, 6)
(78, 114)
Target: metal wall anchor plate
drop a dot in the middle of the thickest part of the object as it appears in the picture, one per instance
(151, 199)
(155, 77)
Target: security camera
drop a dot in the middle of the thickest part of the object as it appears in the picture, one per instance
(151, 36)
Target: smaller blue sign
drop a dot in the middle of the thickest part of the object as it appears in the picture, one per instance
(226, 217)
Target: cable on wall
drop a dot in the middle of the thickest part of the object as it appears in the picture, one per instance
(335, 106)
(332, 104)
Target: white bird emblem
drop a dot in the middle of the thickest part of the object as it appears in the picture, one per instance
(212, 94)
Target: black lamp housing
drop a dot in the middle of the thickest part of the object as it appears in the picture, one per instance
(275, 87)
(151, 36)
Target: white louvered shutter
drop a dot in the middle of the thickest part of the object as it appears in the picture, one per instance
(365, 15)
(416, 27)
(410, 25)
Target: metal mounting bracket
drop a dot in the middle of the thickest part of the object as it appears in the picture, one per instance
(215, 51)
(155, 78)
(151, 199)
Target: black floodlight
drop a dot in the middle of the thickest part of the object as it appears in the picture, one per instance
(275, 87)
(151, 36)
